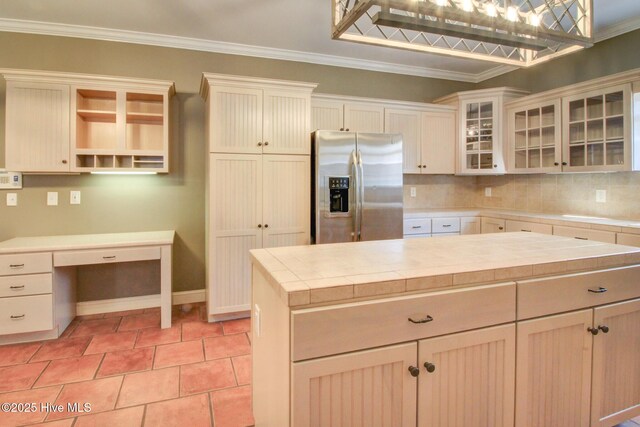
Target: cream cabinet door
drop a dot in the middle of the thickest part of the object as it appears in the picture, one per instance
(616, 364)
(364, 118)
(235, 116)
(492, 225)
(235, 215)
(439, 143)
(286, 187)
(407, 123)
(327, 115)
(470, 225)
(467, 379)
(37, 127)
(554, 371)
(366, 388)
(287, 127)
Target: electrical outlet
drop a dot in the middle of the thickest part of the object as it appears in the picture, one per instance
(52, 198)
(74, 197)
(487, 191)
(12, 199)
(413, 191)
(601, 196)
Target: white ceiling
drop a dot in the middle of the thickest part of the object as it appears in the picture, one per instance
(282, 29)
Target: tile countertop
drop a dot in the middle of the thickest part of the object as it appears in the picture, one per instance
(594, 223)
(86, 241)
(343, 272)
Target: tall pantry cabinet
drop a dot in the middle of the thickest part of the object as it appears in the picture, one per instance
(258, 188)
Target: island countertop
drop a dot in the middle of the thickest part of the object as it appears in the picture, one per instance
(343, 272)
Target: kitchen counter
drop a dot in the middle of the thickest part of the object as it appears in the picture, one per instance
(344, 272)
(594, 223)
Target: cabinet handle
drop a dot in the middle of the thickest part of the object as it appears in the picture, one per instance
(266, 226)
(259, 225)
(599, 290)
(580, 238)
(430, 367)
(500, 228)
(594, 331)
(16, 287)
(564, 163)
(527, 231)
(414, 371)
(347, 129)
(424, 166)
(416, 226)
(16, 266)
(604, 328)
(556, 164)
(259, 144)
(109, 257)
(420, 166)
(341, 129)
(425, 319)
(64, 162)
(266, 143)
(21, 316)
(446, 225)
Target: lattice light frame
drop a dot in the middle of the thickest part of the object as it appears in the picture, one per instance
(511, 32)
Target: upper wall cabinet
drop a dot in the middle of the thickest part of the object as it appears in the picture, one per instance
(480, 115)
(328, 113)
(61, 122)
(428, 138)
(257, 116)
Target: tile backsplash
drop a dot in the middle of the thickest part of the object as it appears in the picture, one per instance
(558, 194)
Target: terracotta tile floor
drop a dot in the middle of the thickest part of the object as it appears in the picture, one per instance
(133, 373)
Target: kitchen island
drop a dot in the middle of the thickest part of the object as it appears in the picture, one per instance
(427, 332)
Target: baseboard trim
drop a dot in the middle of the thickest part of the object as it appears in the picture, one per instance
(135, 303)
(189, 297)
(85, 308)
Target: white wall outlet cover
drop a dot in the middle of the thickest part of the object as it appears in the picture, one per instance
(74, 197)
(601, 196)
(487, 191)
(413, 191)
(12, 199)
(52, 198)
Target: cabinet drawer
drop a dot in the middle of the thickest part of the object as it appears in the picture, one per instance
(416, 236)
(33, 284)
(26, 314)
(532, 227)
(25, 263)
(540, 297)
(445, 225)
(417, 226)
(104, 256)
(628, 239)
(585, 234)
(337, 329)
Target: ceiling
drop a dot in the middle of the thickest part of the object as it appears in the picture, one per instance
(282, 29)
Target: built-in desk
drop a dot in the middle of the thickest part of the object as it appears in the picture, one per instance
(38, 277)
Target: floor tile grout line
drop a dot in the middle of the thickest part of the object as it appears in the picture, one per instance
(36, 380)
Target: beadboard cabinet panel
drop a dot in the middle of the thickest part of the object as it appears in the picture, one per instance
(236, 120)
(438, 143)
(408, 123)
(286, 123)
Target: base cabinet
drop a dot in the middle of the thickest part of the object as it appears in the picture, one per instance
(467, 379)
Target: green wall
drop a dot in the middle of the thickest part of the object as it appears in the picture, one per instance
(610, 56)
(173, 201)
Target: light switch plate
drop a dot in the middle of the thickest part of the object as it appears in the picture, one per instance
(487, 191)
(52, 198)
(12, 199)
(74, 197)
(601, 196)
(413, 191)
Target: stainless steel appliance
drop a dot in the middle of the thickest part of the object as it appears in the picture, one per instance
(356, 186)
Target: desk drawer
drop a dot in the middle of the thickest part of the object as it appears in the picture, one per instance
(417, 226)
(338, 329)
(540, 297)
(25, 263)
(445, 225)
(30, 284)
(105, 256)
(26, 314)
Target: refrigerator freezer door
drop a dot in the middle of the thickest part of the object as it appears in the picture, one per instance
(333, 154)
(381, 179)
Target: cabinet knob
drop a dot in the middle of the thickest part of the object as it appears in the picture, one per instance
(420, 166)
(594, 331)
(414, 371)
(347, 129)
(430, 367)
(266, 226)
(604, 328)
(259, 225)
(64, 162)
(556, 164)
(341, 129)
(266, 143)
(424, 166)
(259, 144)
(500, 228)
(495, 166)
(564, 163)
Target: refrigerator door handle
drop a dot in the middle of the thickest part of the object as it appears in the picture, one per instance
(361, 196)
(356, 193)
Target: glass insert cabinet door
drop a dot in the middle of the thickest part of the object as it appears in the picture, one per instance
(479, 135)
(597, 132)
(534, 137)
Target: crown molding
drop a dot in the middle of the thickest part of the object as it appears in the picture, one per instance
(617, 29)
(125, 36)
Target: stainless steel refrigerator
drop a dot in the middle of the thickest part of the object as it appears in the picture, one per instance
(356, 186)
